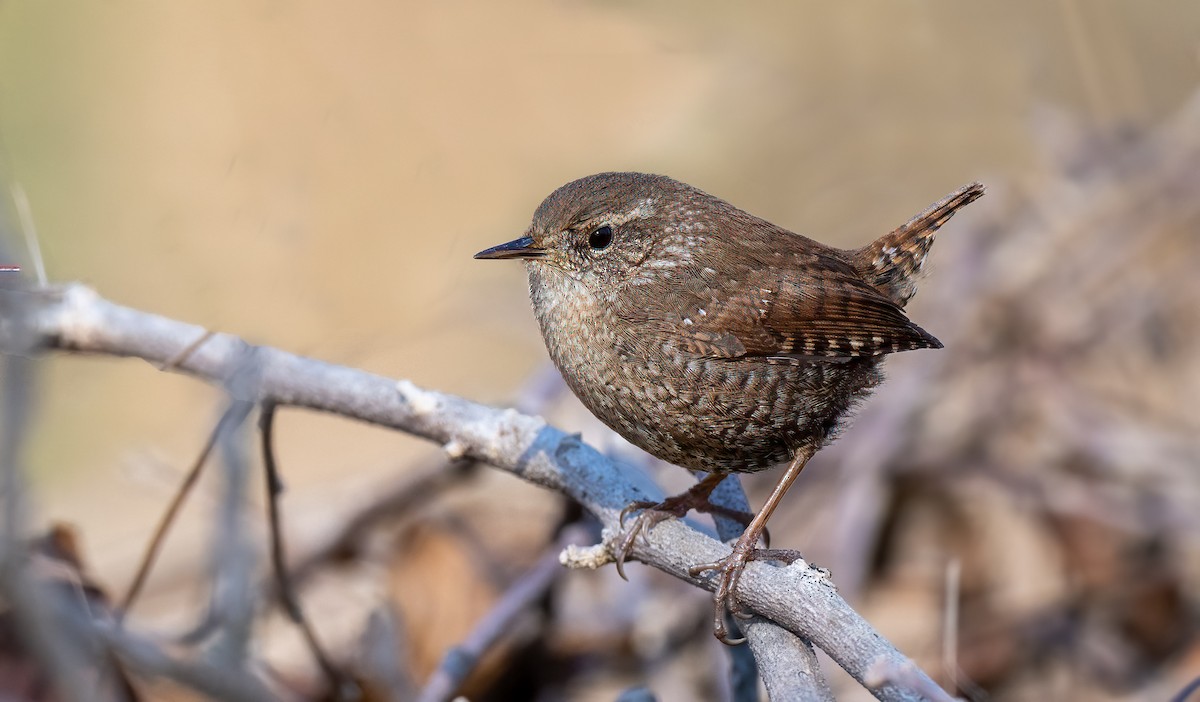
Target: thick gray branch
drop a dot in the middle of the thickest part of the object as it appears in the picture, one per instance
(801, 600)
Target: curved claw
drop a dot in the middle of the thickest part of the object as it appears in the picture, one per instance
(633, 507)
(652, 513)
(722, 633)
(724, 600)
(655, 512)
(620, 553)
(625, 545)
(731, 568)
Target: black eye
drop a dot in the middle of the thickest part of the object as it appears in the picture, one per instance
(601, 238)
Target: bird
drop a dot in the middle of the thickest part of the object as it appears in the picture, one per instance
(713, 339)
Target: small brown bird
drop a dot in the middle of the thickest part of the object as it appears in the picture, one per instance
(711, 338)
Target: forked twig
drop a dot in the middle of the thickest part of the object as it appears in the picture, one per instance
(274, 487)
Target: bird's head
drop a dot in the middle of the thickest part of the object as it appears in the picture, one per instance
(608, 229)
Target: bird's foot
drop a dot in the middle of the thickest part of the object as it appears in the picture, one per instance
(651, 513)
(730, 570)
(696, 498)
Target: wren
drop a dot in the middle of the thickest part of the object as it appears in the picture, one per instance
(711, 338)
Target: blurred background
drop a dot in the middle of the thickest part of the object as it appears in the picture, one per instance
(316, 177)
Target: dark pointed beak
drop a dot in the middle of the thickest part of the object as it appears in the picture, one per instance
(518, 248)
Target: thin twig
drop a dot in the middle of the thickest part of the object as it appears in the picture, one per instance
(1085, 61)
(950, 623)
(461, 660)
(164, 524)
(287, 594)
(25, 216)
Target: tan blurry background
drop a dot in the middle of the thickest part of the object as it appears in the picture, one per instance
(315, 176)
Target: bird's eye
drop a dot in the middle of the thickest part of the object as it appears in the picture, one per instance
(601, 237)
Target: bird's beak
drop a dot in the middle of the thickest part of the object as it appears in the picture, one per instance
(518, 248)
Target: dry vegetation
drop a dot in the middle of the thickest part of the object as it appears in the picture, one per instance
(1018, 512)
(1032, 498)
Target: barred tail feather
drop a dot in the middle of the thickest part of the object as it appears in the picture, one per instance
(892, 263)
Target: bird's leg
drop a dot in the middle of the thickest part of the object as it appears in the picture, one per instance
(652, 513)
(697, 498)
(744, 551)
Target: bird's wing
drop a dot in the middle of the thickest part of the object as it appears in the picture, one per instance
(798, 306)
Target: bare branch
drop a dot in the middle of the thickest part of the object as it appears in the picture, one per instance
(219, 682)
(233, 593)
(797, 598)
(31, 606)
(789, 664)
(884, 672)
